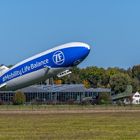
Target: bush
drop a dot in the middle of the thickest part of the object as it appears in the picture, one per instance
(86, 101)
(104, 98)
(19, 98)
(1, 102)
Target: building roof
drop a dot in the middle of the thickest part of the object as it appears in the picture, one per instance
(63, 88)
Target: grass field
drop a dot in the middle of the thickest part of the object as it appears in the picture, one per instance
(93, 126)
(68, 107)
(52, 107)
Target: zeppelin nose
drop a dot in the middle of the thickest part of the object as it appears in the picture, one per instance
(86, 46)
(81, 53)
(86, 50)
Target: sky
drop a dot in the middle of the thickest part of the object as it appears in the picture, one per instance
(110, 27)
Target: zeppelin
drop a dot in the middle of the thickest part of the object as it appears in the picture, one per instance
(54, 62)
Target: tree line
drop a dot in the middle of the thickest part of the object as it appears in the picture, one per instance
(115, 78)
(96, 77)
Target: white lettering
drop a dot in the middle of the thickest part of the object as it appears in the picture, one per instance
(24, 70)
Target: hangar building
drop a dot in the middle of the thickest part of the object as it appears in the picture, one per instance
(55, 93)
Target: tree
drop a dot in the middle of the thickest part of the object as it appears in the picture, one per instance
(97, 77)
(19, 98)
(135, 85)
(86, 84)
(119, 82)
(136, 72)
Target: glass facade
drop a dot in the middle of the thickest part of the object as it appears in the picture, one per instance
(55, 93)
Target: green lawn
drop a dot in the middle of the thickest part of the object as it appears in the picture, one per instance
(68, 107)
(96, 126)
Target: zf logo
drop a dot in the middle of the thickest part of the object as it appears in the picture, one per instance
(58, 58)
